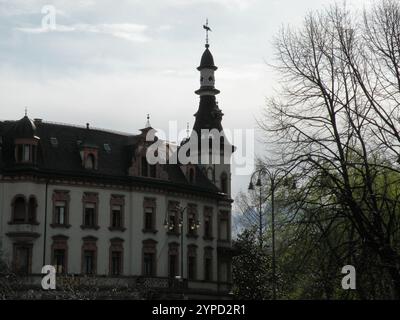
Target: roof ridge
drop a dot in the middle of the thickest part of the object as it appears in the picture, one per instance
(78, 126)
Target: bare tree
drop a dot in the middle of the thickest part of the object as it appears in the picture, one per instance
(335, 126)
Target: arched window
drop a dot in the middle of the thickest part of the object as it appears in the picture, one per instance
(224, 182)
(222, 148)
(19, 210)
(90, 161)
(32, 205)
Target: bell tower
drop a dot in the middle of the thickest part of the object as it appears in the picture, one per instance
(212, 143)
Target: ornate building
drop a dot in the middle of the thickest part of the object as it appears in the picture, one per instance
(88, 202)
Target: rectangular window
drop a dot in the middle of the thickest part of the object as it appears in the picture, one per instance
(148, 261)
(23, 256)
(173, 265)
(191, 224)
(192, 268)
(208, 269)
(148, 216)
(59, 260)
(89, 215)
(116, 221)
(26, 152)
(60, 212)
(88, 258)
(116, 263)
(207, 227)
(223, 229)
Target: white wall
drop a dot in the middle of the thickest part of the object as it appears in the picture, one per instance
(133, 234)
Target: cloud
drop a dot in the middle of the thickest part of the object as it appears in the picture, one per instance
(127, 31)
(29, 7)
(231, 4)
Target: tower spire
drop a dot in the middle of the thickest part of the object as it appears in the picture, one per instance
(148, 125)
(207, 28)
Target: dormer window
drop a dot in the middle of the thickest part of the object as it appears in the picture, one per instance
(89, 158)
(148, 170)
(107, 147)
(90, 161)
(25, 151)
(26, 141)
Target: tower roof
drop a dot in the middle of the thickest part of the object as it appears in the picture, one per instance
(207, 60)
(24, 128)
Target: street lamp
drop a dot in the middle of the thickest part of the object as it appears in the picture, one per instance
(272, 177)
(170, 225)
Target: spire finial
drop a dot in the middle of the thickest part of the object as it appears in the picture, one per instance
(187, 130)
(148, 121)
(207, 28)
(26, 111)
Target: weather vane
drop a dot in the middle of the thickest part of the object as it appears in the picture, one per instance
(207, 28)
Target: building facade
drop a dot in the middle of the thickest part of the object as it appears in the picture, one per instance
(89, 202)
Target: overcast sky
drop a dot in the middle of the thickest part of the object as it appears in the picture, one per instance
(111, 62)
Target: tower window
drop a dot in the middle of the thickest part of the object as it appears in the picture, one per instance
(144, 167)
(224, 183)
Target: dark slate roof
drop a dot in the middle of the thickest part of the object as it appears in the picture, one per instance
(207, 60)
(64, 158)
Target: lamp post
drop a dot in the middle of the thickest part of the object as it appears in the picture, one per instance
(171, 226)
(272, 177)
